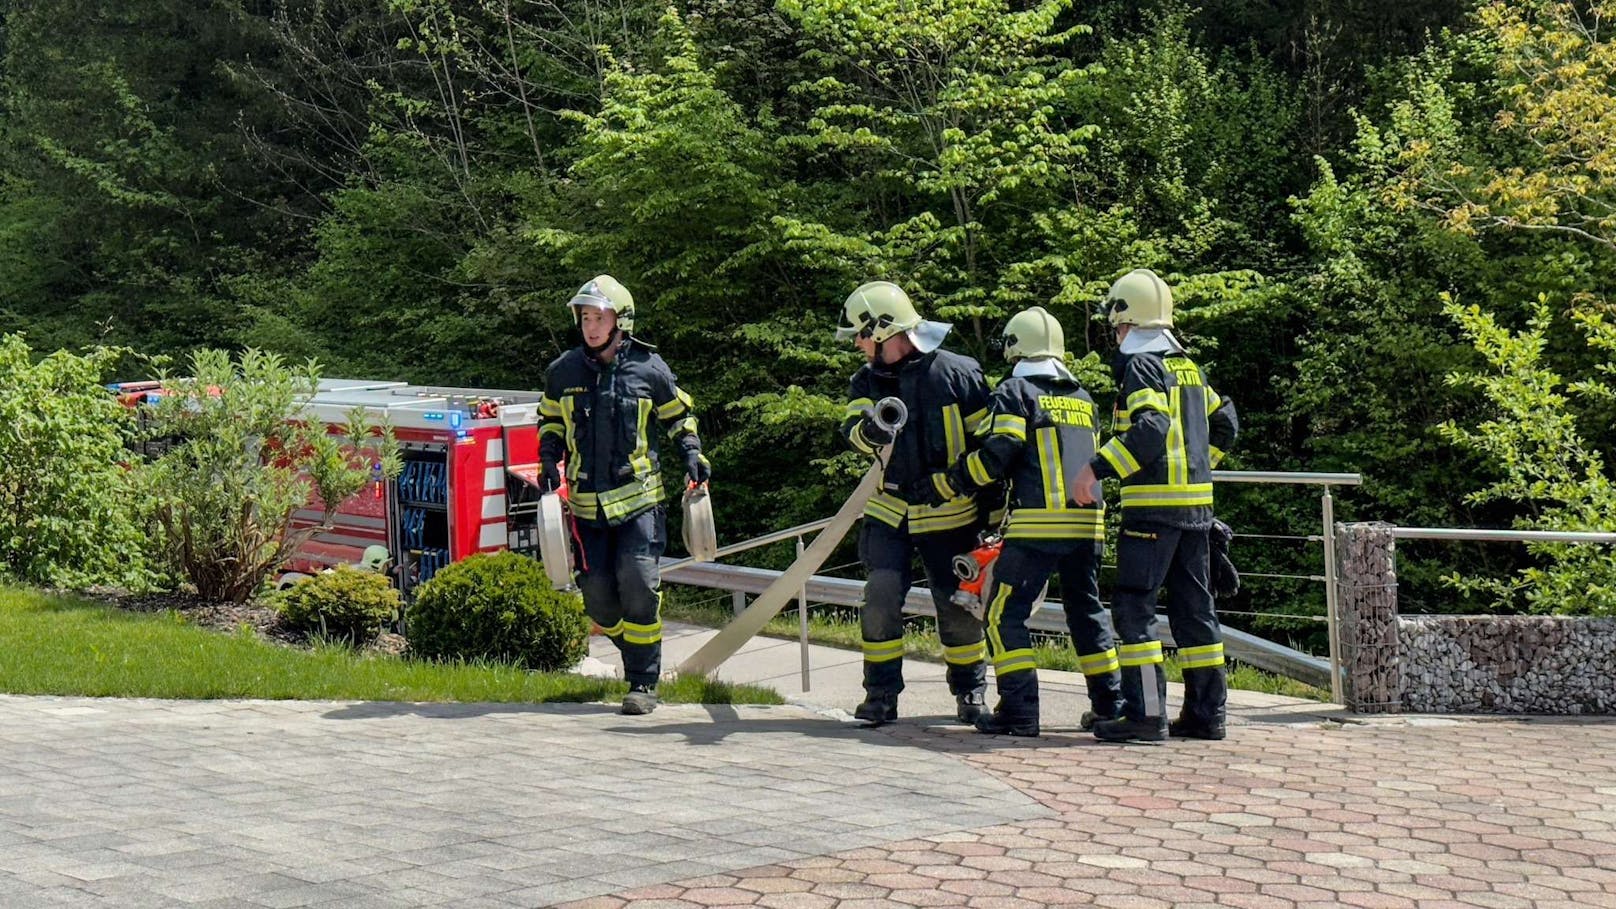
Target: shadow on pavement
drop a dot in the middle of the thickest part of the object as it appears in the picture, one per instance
(373, 710)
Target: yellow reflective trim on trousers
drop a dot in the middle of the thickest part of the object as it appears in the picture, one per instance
(1021, 660)
(642, 634)
(1119, 457)
(1098, 663)
(965, 654)
(1049, 463)
(973, 421)
(1008, 424)
(995, 613)
(978, 471)
(1206, 656)
(883, 651)
(1140, 654)
(1152, 496)
(1178, 466)
(549, 406)
(1147, 398)
(614, 631)
(953, 432)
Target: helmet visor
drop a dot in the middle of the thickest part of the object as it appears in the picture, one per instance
(598, 301)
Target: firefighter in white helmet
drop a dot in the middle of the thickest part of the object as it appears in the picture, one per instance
(1041, 426)
(606, 406)
(947, 400)
(1171, 430)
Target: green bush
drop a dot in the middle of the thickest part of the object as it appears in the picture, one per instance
(346, 604)
(498, 607)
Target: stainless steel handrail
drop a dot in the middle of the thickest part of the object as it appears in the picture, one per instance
(1287, 477)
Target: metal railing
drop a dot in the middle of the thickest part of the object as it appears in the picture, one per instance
(1242, 646)
(1502, 536)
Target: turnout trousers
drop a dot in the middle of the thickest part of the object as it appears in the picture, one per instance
(1019, 578)
(620, 575)
(888, 554)
(1148, 556)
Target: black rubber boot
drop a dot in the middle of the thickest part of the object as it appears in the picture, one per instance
(1000, 723)
(1189, 728)
(1089, 718)
(1129, 730)
(878, 709)
(640, 700)
(970, 706)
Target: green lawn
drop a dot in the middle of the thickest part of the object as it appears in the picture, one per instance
(839, 628)
(53, 644)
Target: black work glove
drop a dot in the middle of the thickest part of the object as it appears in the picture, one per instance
(549, 476)
(697, 468)
(874, 433)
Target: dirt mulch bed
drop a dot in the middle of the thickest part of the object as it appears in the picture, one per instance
(228, 618)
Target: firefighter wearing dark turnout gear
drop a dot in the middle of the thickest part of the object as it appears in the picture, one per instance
(1171, 429)
(1041, 427)
(946, 397)
(604, 416)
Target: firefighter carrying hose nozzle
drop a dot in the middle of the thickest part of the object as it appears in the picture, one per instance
(946, 398)
(1040, 428)
(1171, 429)
(607, 403)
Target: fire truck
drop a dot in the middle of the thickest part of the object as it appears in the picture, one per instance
(469, 482)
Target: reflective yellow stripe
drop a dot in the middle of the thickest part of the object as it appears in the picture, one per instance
(614, 631)
(1056, 524)
(885, 508)
(1189, 495)
(953, 432)
(1008, 424)
(1014, 661)
(1204, 657)
(883, 651)
(688, 424)
(973, 422)
(1215, 453)
(1119, 457)
(858, 440)
(640, 460)
(978, 470)
(642, 634)
(995, 613)
(553, 429)
(858, 406)
(616, 503)
(1098, 663)
(1178, 467)
(1140, 654)
(1213, 401)
(549, 407)
(1049, 462)
(680, 403)
(1149, 399)
(947, 516)
(965, 654)
(574, 463)
(939, 481)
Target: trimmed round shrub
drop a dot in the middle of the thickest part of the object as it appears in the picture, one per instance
(344, 603)
(498, 607)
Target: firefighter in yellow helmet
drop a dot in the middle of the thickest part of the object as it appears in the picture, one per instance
(1171, 429)
(947, 400)
(1041, 425)
(607, 405)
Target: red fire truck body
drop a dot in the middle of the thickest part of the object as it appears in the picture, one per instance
(470, 463)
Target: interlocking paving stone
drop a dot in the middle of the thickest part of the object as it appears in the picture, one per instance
(126, 802)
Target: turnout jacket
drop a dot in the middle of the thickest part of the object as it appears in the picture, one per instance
(947, 401)
(1040, 431)
(1171, 430)
(606, 420)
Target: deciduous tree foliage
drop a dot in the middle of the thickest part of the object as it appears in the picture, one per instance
(412, 189)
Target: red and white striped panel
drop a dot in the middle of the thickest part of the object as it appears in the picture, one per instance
(493, 534)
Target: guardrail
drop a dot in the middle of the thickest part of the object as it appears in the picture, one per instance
(1242, 646)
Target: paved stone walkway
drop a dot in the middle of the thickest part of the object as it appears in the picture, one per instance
(151, 803)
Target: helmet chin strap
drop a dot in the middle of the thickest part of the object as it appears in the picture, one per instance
(615, 337)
